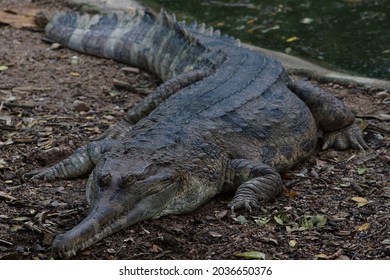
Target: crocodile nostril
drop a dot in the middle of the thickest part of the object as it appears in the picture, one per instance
(104, 180)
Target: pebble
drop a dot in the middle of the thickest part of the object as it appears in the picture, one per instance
(80, 106)
(55, 46)
(130, 70)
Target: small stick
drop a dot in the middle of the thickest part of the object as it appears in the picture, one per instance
(17, 105)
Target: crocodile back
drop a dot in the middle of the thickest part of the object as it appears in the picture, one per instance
(242, 110)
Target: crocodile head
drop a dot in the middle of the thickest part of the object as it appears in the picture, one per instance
(120, 193)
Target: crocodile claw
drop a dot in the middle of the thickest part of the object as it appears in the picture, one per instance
(34, 175)
(246, 203)
(349, 137)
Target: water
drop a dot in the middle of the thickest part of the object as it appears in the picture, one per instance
(351, 36)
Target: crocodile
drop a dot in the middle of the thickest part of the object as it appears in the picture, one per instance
(224, 119)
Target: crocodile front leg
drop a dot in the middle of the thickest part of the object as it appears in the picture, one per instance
(80, 163)
(331, 115)
(257, 183)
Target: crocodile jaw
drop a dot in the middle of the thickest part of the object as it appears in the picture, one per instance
(89, 232)
(108, 217)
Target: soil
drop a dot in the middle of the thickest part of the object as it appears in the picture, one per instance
(53, 100)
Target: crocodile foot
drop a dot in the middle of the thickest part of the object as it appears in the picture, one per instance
(246, 201)
(348, 137)
(251, 194)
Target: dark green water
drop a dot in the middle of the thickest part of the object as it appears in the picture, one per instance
(347, 35)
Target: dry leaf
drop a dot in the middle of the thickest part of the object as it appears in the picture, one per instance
(292, 243)
(343, 233)
(74, 74)
(5, 196)
(20, 18)
(363, 227)
(21, 219)
(321, 256)
(292, 39)
(291, 194)
(360, 200)
(155, 248)
(215, 234)
(251, 255)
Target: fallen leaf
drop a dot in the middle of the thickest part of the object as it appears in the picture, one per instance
(74, 74)
(269, 240)
(19, 18)
(114, 93)
(155, 248)
(241, 220)
(251, 255)
(215, 234)
(343, 233)
(363, 227)
(361, 170)
(316, 221)
(5, 196)
(292, 243)
(20, 219)
(292, 39)
(221, 214)
(386, 242)
(3, 67)
(322, 256)
(262, 220)
(111, 251)
(281, 219)
(291, 194)
(360, 200)
(15, 228)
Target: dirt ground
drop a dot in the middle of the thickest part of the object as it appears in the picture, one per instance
(335, 205)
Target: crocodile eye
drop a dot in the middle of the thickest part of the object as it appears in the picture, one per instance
(127, 181)
(104, 180)
(131, 179)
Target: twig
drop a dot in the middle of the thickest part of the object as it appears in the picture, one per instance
(5, 243)
(18, 105)
(30, 88)
(357, 188)
(5, 196)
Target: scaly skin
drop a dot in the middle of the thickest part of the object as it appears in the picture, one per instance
(226, 118)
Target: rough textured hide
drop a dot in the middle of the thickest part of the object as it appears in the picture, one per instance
(226, 118)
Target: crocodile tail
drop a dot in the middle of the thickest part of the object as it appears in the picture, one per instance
(155, 43)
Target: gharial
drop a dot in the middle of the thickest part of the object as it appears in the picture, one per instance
(225, 118)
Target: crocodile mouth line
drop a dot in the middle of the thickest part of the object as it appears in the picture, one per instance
(106, 230)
